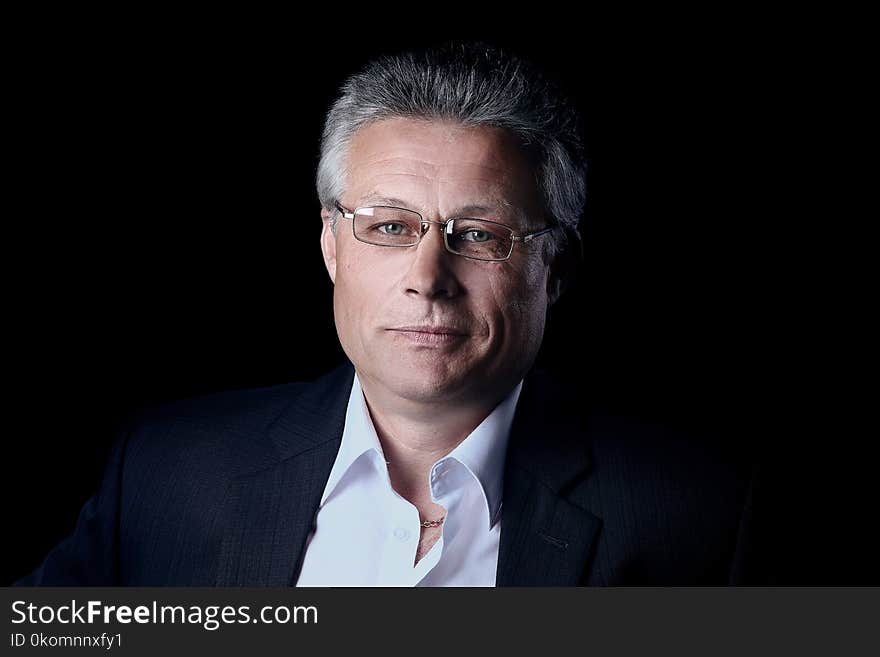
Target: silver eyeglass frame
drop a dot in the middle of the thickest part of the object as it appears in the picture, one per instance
(446, 224)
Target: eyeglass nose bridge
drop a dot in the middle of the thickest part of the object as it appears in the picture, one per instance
(448, 229)
(425, 224)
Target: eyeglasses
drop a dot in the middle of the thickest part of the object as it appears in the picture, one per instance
(478, 239)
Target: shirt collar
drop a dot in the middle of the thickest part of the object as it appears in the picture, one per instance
(483, 452)
(358, 438)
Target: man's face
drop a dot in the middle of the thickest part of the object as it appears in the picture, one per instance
(422, 323)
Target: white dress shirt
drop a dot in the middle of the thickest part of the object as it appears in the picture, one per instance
(366, 534)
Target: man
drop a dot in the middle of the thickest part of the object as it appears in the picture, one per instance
(451, 184)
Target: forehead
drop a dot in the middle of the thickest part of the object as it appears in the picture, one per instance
(438, 166)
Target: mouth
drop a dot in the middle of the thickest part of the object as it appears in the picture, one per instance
(428, 335)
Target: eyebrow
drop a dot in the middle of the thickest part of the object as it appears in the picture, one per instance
(475, 208)
(382, 200)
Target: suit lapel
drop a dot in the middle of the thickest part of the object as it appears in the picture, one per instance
(270, 512)
(546, 539)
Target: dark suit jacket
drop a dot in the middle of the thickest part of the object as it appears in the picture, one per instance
(224, 489)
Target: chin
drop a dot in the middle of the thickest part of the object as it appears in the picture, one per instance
(424, 382)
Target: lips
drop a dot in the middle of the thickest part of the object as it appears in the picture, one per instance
(428, 336)
(433, 330)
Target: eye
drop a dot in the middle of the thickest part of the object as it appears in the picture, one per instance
(475, 235)
(392, 229)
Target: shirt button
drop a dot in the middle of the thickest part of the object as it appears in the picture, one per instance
(401, 534)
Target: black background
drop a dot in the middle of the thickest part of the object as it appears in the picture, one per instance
(163, 235)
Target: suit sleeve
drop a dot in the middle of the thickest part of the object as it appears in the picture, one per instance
(90, 555)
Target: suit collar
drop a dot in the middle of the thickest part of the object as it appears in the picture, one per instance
(315, 416)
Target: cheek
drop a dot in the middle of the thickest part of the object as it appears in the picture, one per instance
(520, 302)
(363, 285)
(349, 290)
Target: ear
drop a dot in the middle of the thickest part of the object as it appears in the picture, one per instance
(328, 244)
(555, 287)
(564, 269)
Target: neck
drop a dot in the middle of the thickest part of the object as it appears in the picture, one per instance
(414, 434)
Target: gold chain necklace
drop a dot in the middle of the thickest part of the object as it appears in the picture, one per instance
(426, 523)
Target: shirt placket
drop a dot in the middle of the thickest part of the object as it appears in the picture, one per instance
(401, 521)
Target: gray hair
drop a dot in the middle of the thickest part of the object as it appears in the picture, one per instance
(473, 84)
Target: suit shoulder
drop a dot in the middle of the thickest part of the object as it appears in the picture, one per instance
(230, 431)
(629, 441)
(230, 409)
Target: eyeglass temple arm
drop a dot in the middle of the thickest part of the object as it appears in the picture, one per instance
(531, 236)
(341, 210)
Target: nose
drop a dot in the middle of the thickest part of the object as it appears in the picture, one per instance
(431, 272)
